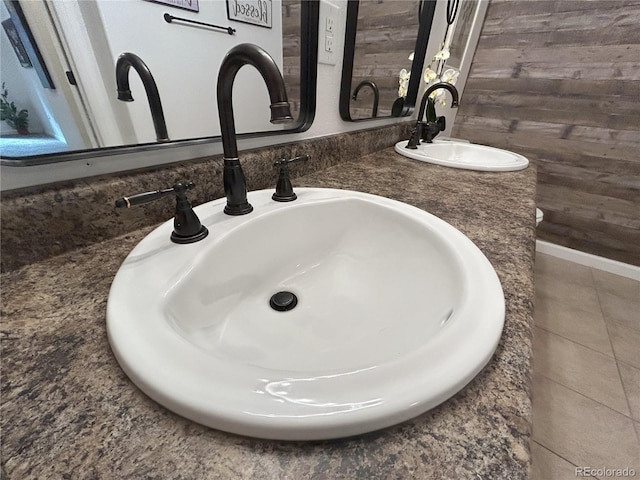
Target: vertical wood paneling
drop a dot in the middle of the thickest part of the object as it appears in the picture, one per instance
(559, 82)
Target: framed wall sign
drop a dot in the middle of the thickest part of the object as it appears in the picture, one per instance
(191, 5)
(28, 43)
(16, 43)
(255, 12)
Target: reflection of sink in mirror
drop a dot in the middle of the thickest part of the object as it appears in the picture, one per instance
(464, 155)
(396, 312)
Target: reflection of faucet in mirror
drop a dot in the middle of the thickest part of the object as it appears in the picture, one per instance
(235, 187)
(376, 94)
(124, 63)
(434, 125)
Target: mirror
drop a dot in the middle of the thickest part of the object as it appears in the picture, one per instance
(461, 34)
(451, 63)
(81, 41)
(385, 46)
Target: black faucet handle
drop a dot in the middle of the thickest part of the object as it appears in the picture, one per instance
(147, 197)
(416, 135)
(186, 224)
(284, 189)
(286, 162)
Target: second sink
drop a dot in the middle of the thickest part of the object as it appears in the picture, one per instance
(468, 156)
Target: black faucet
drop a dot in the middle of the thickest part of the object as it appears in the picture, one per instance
(376, 94)
(124, 63)
(433, 125)
(235, 186)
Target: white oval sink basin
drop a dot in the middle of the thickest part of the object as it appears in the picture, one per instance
(468, 156)
(397, 311)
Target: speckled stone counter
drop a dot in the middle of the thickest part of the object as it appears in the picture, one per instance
(40, 222)
(68, 410)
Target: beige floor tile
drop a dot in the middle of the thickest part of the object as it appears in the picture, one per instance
(631, 382)
(620, 310)
(546, 465)
(580, 430)
(616, 285)
(626, 344)
(586, 371)
(571, 295)
(563, 271)
(584, 327)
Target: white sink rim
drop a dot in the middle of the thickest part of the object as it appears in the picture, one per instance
(140, 343)
(474, 156)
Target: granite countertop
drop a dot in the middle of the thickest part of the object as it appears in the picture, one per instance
(68, 410)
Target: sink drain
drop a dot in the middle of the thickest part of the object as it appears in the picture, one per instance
(283, 301)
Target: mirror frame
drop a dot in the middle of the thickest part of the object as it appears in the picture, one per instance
(426, 14)
(309, 18)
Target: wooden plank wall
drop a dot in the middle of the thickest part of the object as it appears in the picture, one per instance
(559, 82)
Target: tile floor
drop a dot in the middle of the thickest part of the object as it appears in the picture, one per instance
(586, 372)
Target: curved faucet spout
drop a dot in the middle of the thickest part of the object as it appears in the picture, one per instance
(376, 94)
(447, 86)
(431, 127)
(234, 181)
(124, 63)
(237, 57)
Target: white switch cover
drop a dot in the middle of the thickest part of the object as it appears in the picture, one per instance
(327, 32)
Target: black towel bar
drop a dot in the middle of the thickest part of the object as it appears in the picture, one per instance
(169, 18)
